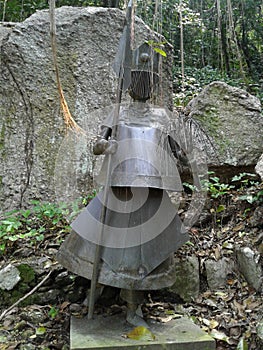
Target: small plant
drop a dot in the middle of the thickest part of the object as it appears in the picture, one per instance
(53, 312)
(249, 188)
(242, 187)
(189, 186)
(246, 179)
(30, 225)
(34, 224)
(89, 197)
(215, 188)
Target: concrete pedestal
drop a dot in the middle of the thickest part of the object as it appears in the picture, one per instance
(109, 333)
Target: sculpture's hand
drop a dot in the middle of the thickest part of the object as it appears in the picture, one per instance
(103, 146)
(112, 147)
(178, 152)
(100, 146)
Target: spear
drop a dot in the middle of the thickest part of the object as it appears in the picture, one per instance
(122, 67)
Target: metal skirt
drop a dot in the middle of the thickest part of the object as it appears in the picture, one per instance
(141, 232)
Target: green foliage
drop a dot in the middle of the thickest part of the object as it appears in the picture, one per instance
(215, 187)
(242, 187)
(53, 312)
(195, 80)
(31, 225)
(18, 11)
(189, 186)
(250, 188)
(246, 179)
(89, 197)
(225, 45)
(157, 47)
(242, 183)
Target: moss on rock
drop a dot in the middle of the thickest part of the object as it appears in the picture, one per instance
(27, 273)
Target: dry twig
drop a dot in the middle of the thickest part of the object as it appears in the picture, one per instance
(25, 296)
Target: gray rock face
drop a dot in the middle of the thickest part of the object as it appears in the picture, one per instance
(249, 265)
(217, 271)
(31, 124)
(9, 277)
(259, 167)
(3, 32)
(186, 278)
(233, 120)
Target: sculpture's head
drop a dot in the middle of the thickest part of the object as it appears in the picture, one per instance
(144, 72)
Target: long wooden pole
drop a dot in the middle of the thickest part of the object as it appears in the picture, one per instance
(121, 74)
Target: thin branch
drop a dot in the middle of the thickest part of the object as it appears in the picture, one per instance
(26, 296)
(4, 10)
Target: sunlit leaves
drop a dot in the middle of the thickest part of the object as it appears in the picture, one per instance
(141, 333)
(157, 47)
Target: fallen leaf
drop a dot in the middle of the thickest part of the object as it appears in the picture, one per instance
(213, 324)
(41, 330)
(210, 302)
(141, 333)
(220, 208)
(231, 281)
(169, 312)
(64, 305)
(194, 231)
(235, 331)
(173, 314)
(239, 227)
(9, 346)
(165, 319)
(210, 323)
(242, 345)
(239, 307)
(228, 245)
(221, 294)
(219, 335)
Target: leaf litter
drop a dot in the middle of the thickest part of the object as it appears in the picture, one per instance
(232, 314)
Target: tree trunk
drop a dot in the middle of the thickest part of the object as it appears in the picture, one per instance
(111, 3)
(224, 48)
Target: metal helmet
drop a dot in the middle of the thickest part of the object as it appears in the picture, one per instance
(144, 72)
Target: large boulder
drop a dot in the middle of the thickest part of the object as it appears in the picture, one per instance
(232, 118)
(31, 124)
(259, 167)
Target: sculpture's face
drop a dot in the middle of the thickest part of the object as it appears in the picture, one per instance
(142, 84)
(140, 88)
(144, 73)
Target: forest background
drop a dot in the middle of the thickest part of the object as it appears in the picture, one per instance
(212, 39)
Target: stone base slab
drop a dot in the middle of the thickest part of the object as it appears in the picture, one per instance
(109, 333)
